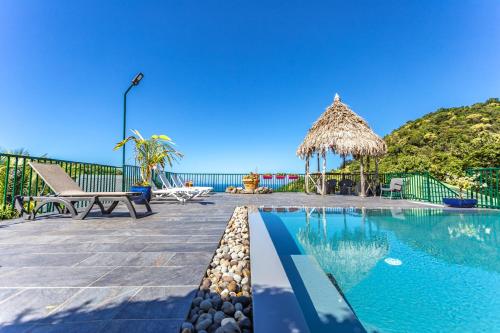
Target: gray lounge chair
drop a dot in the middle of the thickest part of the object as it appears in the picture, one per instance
(67, 193)
(395, 187)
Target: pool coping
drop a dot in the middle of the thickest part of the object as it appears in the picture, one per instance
(269, 277)
(275, 305)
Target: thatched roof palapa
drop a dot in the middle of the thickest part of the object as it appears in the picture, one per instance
(343, 132)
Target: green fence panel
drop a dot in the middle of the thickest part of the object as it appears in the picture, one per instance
(421, 186)
(131, 175)
(17, 177)
(488, 195)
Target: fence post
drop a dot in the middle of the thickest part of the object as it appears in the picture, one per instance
(6, 182)
(427, 176)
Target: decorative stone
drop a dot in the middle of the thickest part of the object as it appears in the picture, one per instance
(197, 301)
(238, 315)
(226, 321)
(247, 311)
(206, 284)
(227, 277)
(187, 327)
(245, 323)
(238, 307)
(203, 324)
(194, 318)
(206, 305)
(224, 294)
(233, 286)
(204, 316)
(227, 308)
(216, 302)
(219, 316)
(231, 327)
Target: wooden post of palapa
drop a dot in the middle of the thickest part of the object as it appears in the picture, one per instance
(362, 177)
(323, 176)
(307, 174)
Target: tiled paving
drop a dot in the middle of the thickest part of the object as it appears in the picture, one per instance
(113, 274)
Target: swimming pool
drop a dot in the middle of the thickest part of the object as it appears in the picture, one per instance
(414, 270)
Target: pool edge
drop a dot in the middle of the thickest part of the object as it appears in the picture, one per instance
(269, 276)
(270, 284)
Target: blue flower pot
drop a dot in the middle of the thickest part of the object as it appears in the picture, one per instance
(145, 193)
(460, 203)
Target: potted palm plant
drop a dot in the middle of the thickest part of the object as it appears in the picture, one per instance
(150, 154)
(464, 184)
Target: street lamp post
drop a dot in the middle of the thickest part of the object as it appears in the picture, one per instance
(135, 82)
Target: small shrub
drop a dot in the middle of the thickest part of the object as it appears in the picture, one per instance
(8, 213)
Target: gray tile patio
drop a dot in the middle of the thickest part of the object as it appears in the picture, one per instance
(113, 274)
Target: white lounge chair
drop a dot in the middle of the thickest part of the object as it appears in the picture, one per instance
(180, 193)
(179, 182)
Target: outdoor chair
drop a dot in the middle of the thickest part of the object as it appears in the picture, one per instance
(346, 186)
(179, 182)
(396, 186)
(182, 194)
(67, 193)
(331, 186)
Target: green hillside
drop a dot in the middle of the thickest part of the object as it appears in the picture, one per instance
(447, 141)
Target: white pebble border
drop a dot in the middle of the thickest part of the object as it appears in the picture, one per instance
(223, 303)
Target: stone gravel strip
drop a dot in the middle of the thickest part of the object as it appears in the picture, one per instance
(223, 303)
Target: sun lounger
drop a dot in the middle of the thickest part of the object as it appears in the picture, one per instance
(67, 193)
(179, 182)
(180, 193)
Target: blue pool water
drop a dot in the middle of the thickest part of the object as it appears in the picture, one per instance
(417, 270)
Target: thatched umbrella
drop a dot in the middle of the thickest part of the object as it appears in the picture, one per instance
(343, 132)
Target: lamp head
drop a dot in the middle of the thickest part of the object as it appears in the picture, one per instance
(137, 79)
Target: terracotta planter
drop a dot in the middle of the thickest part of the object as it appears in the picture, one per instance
(251, 183)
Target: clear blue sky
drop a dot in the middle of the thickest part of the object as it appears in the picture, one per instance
(236, 84)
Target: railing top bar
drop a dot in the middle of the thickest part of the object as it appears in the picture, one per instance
(485, 169)
(53, 159)
(268, 173)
